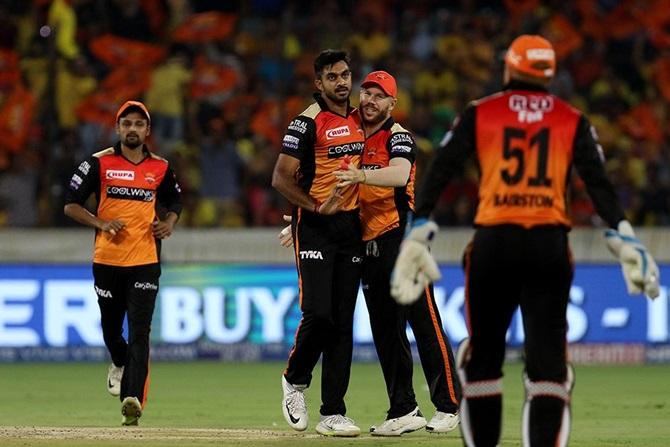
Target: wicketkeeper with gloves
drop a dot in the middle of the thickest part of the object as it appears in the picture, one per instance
(526, 142)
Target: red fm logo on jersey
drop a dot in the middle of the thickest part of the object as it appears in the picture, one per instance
(341, 131)
(531, 109)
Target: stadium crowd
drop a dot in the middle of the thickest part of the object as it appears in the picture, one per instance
(223, 78)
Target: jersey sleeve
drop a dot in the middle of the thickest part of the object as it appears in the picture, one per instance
(457, 145)
(300, 137)
(402, 144)
(589, 160)
(169, 193)
(84, 181)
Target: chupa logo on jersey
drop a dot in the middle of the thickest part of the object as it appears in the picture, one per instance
(118, 174)
(311, 254)
(531, 109)
(341, 131)
(124, 192)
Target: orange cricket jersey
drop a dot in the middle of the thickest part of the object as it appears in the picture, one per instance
(320, 138)
(127, 192)
(525, 149)
(383, 207)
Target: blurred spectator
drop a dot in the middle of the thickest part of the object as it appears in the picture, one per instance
(18, 191)
(74, 82)
(64, 155)
(63, 22)
(221, 168)
(655, 199)
(130, 18)
(167, 97)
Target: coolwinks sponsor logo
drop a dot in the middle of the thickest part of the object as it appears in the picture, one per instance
(127, 193)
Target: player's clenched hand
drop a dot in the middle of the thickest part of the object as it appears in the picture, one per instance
(333, 203)
(415, 267)
(350, 176)
(112, 227)
(285, 236)
(161, 229)
(638, 266)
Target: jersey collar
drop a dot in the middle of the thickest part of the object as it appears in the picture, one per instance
(520, 85)
(324, 106)
(118, 151)
(388, 123)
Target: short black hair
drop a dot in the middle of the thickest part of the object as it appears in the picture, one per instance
(327, 58)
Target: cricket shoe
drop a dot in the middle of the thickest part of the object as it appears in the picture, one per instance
(410, 422)
(131, 411)
(443, 422)
(114, 376)
(293, 405)
(337, 425)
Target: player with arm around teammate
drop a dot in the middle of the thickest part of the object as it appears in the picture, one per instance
(525, 141)
(386, 194)
(328, 250)
(129, 183)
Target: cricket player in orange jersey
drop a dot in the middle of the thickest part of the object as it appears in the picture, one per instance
(328, 250)
(386, 193)
(138, 204)
(526, 142)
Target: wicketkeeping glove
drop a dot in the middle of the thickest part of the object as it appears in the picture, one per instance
(639, 268)
(415, 267)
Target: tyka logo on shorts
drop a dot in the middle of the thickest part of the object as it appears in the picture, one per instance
(102, 293)
(311, 254)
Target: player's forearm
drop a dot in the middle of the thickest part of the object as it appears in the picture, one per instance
(394, 176)
(171, 218)
(82, 215)
(293, 193)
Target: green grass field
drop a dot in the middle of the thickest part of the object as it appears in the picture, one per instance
(223, 404)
